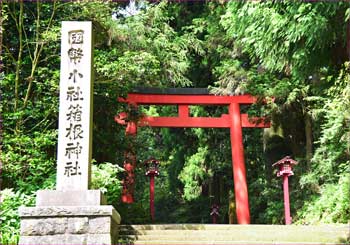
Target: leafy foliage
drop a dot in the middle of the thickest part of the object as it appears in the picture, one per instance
(291, 55)
(193, 173)
(104, 178)
(285, 37)
(9, 225)
(30, 161)
(331, 205)
(145, 49)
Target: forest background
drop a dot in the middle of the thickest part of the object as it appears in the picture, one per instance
(296, 52)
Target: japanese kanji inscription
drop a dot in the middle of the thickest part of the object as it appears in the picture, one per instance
(75, 117)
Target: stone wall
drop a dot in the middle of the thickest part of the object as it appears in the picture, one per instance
(69, 225)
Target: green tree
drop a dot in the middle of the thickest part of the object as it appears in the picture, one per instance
(292, 51)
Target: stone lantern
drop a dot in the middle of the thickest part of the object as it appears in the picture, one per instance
(285, 170)
(151, 171)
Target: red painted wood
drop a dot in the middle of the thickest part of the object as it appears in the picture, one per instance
(214, 217)
(287, 216)
(131, 128)
(195, 122)
(234, 120)
(183, 111)
(129, 166)
(239, 172)
(120, 118)
(160, 99)
(151, 195)
(186, 122)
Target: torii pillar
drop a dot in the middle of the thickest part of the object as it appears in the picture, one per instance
(130, 161)
(238, 166)
(183, 98)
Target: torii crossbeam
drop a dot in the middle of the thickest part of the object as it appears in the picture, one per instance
(183, 98)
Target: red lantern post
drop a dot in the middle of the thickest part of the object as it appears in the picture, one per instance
(214, 213)
(152, 171)
(285, 170)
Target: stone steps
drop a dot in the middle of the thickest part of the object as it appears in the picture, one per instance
(214, 242)
(233, 234)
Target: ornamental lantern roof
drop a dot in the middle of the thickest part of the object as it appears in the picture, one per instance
(285, 166)
(286, 159)
(152, 165)
(214, 210)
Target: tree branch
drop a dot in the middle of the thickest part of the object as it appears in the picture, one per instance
(13, 16)
(20, 52)
(9, 53)
(39, 45)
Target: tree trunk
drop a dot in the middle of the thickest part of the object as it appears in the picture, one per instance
(232, 210)
(268, 165)
(1, 67)
(308, 138)
(19, 57)
(348, 40)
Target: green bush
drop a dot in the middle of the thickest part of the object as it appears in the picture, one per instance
(10, 223)
(330, 206)
(29, 160)
(104, 177)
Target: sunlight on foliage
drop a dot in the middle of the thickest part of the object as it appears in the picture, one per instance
(194, 173)
(9, 225)
(104, 178)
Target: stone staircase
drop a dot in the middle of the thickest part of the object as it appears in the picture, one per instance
(233, 234)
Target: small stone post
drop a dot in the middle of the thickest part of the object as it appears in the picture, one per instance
(72, 214)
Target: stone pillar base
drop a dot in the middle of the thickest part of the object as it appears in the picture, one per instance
(70, 198)
(69, 225)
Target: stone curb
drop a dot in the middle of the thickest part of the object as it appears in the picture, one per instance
(64, 211)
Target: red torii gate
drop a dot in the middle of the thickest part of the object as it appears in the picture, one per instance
(185, 97)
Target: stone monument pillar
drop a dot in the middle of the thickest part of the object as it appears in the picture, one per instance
(72, 214)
